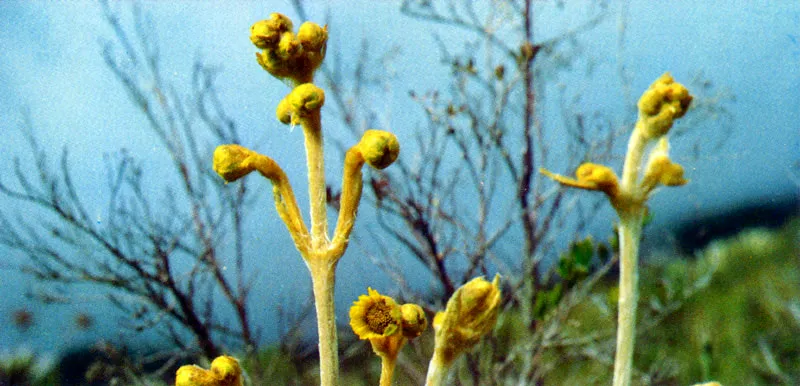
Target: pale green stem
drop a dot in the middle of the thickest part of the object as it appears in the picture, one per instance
(633, 159)
(630, 230)
(437, 370)
(323, 275)
(321, 263)
(352, 182)
(629, 205)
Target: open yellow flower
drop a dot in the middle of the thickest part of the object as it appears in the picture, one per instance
(388, 327)
(375, 316)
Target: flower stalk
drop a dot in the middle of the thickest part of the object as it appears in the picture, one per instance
(294, 58)
(388, 327)
(662, 103)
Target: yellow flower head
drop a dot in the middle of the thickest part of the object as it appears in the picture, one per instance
(289, 47)
(661, 170)
(225, 371)
(375, 316)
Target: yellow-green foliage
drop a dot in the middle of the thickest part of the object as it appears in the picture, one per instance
(741, 329)
(727, 316)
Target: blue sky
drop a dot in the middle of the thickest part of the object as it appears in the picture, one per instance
(51, 66)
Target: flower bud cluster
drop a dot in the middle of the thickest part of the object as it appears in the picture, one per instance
(287, 55)
(661, 104)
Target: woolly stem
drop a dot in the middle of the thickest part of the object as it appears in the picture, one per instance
(630, 230)
(312, 129)
(387, 369)
(437, 370)
(629, 205)
(323, 274)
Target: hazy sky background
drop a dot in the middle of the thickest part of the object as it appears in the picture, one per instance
(51, 66)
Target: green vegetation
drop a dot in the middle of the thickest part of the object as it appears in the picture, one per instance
(731, 313)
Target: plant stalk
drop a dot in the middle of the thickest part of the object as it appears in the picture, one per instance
(630, 230)
(312, 130)
(323, 274)
(321, 264)
(630, 208)
(387, 369)
(437, 371)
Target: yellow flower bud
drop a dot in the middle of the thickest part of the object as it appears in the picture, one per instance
(225, 371)
(284, 111)
(289, 47)
(232, 162)
(302, 101)
(672, 175)
(312, 36)
(471, 313)
(307, 97)
(270, 62)
(600, 176)
(414, 321)
(662, 103)
(267, 33)
(590, 176)
(314, 40)
(379, 148)
(662, 170)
